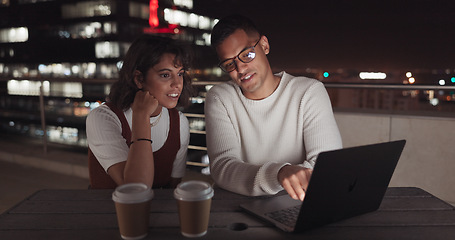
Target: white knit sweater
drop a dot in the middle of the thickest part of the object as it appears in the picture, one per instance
(249, 141)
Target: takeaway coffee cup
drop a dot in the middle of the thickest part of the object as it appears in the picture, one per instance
(132, 204)
(194, 199)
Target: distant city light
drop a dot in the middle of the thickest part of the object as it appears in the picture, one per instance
(434, 101)
(185, 19)
(119, 64)
(412, 80)
(184, 3)
(10, 35)
(372, 75)
(107, 49)
(442, 82)
(153, 18)
(408, 74)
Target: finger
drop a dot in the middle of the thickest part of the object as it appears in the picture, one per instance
(290, 190)
(299, 191)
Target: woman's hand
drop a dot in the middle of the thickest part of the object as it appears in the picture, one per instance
(139, 167)
(145, 103)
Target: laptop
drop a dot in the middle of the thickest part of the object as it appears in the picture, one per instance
(345, 183)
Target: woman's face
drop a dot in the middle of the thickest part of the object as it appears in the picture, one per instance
(164, 81)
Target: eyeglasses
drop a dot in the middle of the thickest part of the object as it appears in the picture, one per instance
(246, 55)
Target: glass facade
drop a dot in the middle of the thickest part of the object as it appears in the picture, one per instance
(71, 51)
(86, 9)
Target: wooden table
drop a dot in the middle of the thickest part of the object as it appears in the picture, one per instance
(405, 213)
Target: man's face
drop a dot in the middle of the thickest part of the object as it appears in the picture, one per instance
(249, 76)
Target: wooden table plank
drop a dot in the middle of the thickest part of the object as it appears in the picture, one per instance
(406, 203)
(219, 219)
(372, 233)
(409, 213)
(97, 202)
(406, 191)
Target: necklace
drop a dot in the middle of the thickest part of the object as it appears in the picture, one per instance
(152, 124)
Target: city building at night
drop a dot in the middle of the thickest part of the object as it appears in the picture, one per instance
(58, 60)
(69, 52)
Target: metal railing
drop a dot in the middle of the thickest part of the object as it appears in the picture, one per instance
(388, 86)
(327, 85)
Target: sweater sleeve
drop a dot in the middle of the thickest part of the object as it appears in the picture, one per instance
(320, 130)
(224, 149)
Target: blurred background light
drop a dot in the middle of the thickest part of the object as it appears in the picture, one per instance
(372, 75)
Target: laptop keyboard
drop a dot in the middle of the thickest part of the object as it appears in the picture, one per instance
(287, 216)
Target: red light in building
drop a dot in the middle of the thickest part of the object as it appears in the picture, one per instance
(153, 17)
(162, 30)
(154, 22)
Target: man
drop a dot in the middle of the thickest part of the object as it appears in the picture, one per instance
(264, 131)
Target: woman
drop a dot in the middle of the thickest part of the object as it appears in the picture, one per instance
(138, 135)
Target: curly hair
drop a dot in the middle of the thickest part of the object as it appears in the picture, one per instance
(144, 53)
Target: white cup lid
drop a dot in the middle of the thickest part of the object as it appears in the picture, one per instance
(193, 191)
(132, 193)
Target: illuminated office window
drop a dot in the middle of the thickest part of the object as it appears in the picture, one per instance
(139, 10)
(188, 19)
(204, 23)
(66, 89)
(184, 3)
(107, 50)
(193, 20)
(14, 35)
(32, 1)
(88, 30)
(110, 27)
(32, 88)
(27, 88)
(88, 9)
(61, 70)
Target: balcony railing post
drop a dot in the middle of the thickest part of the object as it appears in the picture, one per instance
(43, 117)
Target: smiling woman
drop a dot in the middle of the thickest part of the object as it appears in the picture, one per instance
(138, 135)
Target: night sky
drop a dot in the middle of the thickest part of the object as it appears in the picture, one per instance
(362, 35)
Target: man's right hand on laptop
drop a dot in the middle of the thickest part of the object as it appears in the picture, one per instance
(294, 180)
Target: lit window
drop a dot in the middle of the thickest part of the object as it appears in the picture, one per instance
(188, 20)
(88, 9)
(30, 1)
(204, 23)
(66, 89)
(107, 50)
(184, 3)
(193, 20)
(14, 35)
(26, 88)
(139, 10)
(88, 30)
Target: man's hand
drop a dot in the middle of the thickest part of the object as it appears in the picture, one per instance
(294, 180)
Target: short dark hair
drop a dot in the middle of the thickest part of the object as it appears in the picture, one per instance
(228, 25)
(144, 53)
